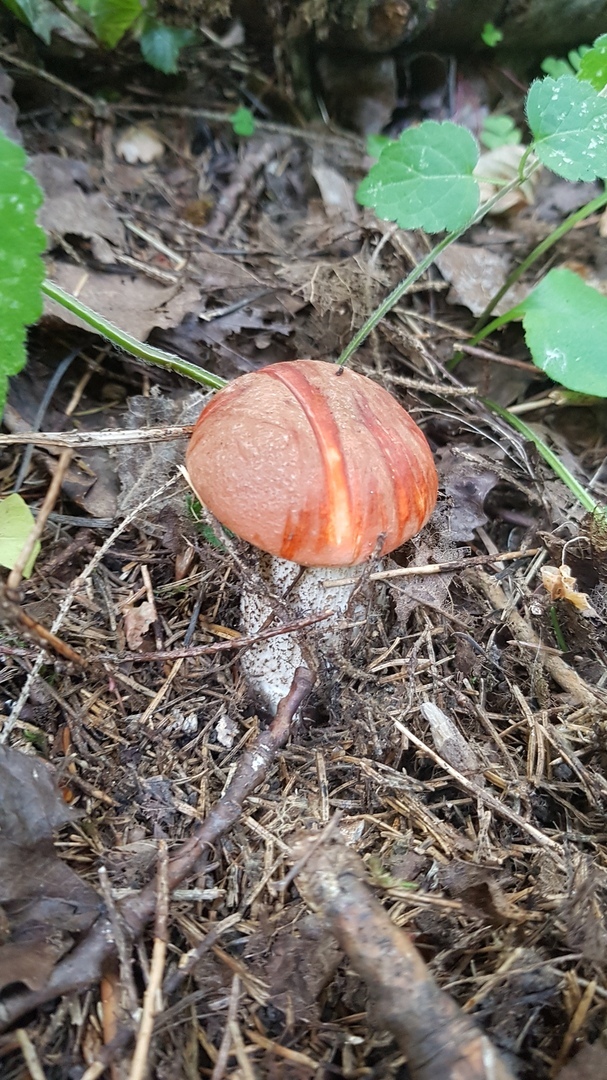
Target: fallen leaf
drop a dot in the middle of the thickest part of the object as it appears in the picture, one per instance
(16, 523)
(137, 622)
(73, 208)
(133, 303)
(503, 165)
(475, 274)
(44, 902)
(560, 584)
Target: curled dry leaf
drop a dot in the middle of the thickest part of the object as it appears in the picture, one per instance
(561, 585)
(502, 164)
(140, 145)
(137, 622)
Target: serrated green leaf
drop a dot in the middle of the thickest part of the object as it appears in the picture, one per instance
(161, 45)
(593, 65)
(565, 323)
(243, 121)
(21, 268)
(112, 18)
(16, 523)
(569, 124)
(424, 180)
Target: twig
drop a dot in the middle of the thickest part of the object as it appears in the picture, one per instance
(152, 997)
(194, 956)
(556, 667)
(259, 153)
(481, 794)
(219, 1067)
(70, 596)
(81, 440)
(83, 965)
(239, 642)
(97, 106)
(30, 1056)
(437, 568)
(14, 578)
(436, 1037)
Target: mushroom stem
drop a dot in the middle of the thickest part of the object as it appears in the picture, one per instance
(289, 591)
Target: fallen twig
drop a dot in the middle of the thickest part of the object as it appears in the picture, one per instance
(83, 965)
(557, 668)
(438, 1039)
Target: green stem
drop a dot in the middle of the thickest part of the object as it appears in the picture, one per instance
(541, 249)
(421, 268)
(555, 463)
(131, 345)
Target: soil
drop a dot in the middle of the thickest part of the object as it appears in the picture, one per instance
(457, 746)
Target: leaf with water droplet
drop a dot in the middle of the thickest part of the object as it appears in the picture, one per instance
(565, 323)
(568, 119)
(21, 268)
(424, 180)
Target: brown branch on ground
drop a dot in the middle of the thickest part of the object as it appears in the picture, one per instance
(557, 668)
(83, 965)
(259, 153)
(437, 1038)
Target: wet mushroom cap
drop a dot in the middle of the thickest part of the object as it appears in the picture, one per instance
(313, 463)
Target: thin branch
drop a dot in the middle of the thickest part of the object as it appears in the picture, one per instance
(437, 1038)
(82, 967)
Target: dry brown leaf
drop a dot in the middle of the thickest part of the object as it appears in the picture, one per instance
(503, 164)
(137, 622)
(43, 902)
(560, 584)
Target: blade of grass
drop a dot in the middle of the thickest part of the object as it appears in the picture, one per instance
(131, 345)
(582, 495)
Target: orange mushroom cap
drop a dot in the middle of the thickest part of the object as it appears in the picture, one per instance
(313, 463)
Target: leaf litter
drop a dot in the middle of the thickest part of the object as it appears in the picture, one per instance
(458, 744)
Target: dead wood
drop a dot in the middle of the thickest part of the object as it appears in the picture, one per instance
(83, 966)
(438, 1039)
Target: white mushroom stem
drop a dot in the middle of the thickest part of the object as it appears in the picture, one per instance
(286, 593)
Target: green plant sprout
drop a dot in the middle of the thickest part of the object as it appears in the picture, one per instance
(243, 122)
(555, 66)
(491, 35)
(106, 22)
(500, 130)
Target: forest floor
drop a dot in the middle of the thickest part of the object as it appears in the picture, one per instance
(459, 745)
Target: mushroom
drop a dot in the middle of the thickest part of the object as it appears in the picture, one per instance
(318, 467)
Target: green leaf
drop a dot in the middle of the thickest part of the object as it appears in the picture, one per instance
(500, 131)
(376, 144)
(424, 180)
(16, 523)
(556, 67)
(593, 65)
(162, 44)
(565, 324)
(21, 268)
(112, 18)
(569, 124)
(243, 121)
(491, 35)
(43, 17)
